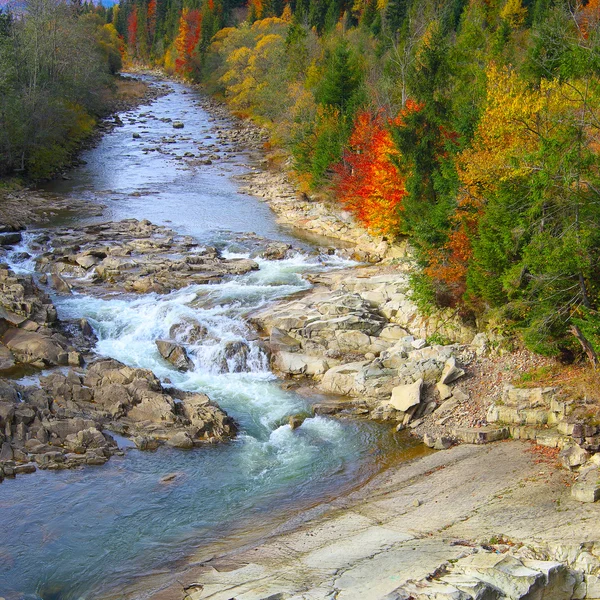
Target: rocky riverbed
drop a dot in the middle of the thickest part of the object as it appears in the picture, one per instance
(504, 520)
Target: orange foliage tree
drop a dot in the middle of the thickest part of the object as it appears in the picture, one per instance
(151, 19)
(132, 30)
(190, 25)
(369, 184)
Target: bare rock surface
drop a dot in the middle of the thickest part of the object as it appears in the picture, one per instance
(471, 522)
(132, 256)
(64, 422)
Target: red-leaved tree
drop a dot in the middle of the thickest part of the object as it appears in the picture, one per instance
(369, 184)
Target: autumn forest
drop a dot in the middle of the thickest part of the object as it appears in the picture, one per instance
(472, 127)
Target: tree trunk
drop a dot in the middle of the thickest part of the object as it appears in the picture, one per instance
(585, 344)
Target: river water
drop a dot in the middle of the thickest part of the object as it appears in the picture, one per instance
(82, 533)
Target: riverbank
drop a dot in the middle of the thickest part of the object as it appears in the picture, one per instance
(21, 206)
(473, 522)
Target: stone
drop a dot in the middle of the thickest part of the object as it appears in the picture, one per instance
(178, 125)
(393, 333)
(442, 443)
(405, 397)
(7, 359)
(275, 251)
(10, 238)
(145, 443)
(6, 452)
(573, 457)
(87, 261)
(296, 421)
(445, 391)
(451, 372)
(235, 357)
(181, 440)
(418, 344)
(26, 468)
(33, 347)
(280, 341)
(175, 354)
(480, 435)
(59, 284)
(587, 488)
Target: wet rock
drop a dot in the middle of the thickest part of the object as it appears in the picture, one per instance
(178, 125)
(181, 440)
(190, 332)
(11, 238)
(275, 251)
(296, 421)
(235, 357)
(175, 354)
(146, 443)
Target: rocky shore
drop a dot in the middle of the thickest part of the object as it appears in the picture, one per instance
(64, 422)
(510, 520)
(475, 522)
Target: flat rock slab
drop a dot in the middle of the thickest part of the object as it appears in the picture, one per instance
(377, 539)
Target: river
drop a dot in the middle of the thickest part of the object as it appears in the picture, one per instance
(78, 534)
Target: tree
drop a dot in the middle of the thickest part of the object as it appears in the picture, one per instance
(369, 183)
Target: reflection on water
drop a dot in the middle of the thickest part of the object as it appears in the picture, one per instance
(73, 534)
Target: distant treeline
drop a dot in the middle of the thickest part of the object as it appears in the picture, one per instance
(56, 62)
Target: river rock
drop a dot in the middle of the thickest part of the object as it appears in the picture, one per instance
(451, 372)
(181, 440)
(35, 348)
(11, 238)
(175, 354)
(405, 397)
(235, 357)
(133, 256)
(7, 359)
(275, 251)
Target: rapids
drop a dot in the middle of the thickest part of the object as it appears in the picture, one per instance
(78, 534)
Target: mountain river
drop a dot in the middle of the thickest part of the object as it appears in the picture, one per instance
(79, 534)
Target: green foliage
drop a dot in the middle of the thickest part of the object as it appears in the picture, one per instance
(54, 64)
(341, 84)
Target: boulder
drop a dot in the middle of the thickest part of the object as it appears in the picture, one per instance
(155, 408)
(275, 251)
(35, 348)
(10, 238)
(7, 359)
(59, 284)
(573, 456)
(451, 372)
(175, 354)
(296, 421)
(235, 357)
(181, 440)
(587, 488)
(405, 397)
